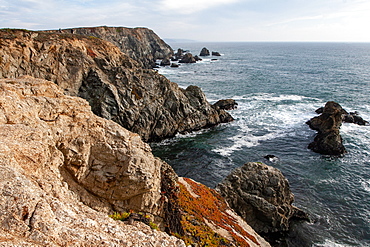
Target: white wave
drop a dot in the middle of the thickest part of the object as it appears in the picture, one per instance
(277, 98)
(329, 243)
(366, 185)
(244, 141)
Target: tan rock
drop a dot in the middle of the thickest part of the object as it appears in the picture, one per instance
(63, 169)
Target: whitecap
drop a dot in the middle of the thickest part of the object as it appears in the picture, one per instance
(365, 184)
(329, 243)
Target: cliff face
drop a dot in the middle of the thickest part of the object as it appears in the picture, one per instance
(115, 85)
(63, 169)
(140, 44)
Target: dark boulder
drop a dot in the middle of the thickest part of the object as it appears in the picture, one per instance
(197, 58)
(165, 62)
(204, 52)
(328, 140)
(261, 195)
(174, 65)
(187, 58)
(216, 53)
(225, 104)
(353, 117)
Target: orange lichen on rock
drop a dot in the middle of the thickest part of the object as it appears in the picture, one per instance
(206, 219)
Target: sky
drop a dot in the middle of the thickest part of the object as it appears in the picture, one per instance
(202, 20)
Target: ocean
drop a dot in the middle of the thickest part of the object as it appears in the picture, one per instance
(278, 87)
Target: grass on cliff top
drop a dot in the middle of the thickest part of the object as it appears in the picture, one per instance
(211, 206)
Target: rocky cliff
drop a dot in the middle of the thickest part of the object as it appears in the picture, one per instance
(116, 86)
(64, 169)
(140, 44)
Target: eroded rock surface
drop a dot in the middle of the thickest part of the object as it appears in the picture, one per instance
(140, 44)
(63, 169)
(115, 85)
(261, 195)
(328, 139)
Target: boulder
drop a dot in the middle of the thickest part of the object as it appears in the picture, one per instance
(197, 58)
(174, 65)
(353, 117)
(165, 62)
(187, 58)
(225, 104)
(328, 140)
(261, 195)
(204, 52)
(216, 53)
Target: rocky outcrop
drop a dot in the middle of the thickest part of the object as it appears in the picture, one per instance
(328, 140)
(261, 195)
(187, 58)
(354, 117)
(216, 53)
(140, 44)
(208, 220)
(63, 170)
(115, 86)
(225, 104)
(165, 62)
(204, 52)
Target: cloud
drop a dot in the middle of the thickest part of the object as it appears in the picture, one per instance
(192, 6)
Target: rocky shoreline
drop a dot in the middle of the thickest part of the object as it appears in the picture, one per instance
(76, 109)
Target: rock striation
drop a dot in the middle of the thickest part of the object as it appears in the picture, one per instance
(261, 195)
(116, 86)
(328, 140)
(140, 44)
(63, 169)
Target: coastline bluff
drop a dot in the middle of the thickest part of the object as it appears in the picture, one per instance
(64, 169)
(140, 44)
(116, 86)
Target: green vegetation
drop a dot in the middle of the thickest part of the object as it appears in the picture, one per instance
(127, 216)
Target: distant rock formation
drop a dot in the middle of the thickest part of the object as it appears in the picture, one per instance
(204, 52)
(225, 104)
(165, 62)
(63, 170)
(216, 53)
(187, 58)
(140, 44)
(115, 85)
(328, 140)
(260, 194)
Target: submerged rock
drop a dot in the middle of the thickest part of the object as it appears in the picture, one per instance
(328, 139)
(261, 195)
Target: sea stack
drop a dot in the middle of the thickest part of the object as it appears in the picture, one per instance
(328, 140)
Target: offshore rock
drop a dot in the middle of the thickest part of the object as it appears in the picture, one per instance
(63, 169)
(116, 86)
(188, 58)
(204, 52)
(216, 53)
(261, 195)
(225, 104)
(165, 62)
(140, 44)
(328, 140)
(209, 221)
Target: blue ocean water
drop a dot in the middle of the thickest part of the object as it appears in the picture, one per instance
(278, 86)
